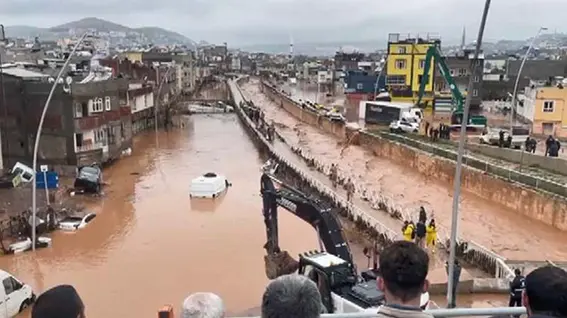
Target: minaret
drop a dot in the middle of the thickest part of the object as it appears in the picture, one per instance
(290, 47)
(464, 38)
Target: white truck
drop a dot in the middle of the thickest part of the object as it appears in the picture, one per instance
(15, 296)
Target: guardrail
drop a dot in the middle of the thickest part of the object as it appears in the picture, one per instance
(483, 165)
(455, 312)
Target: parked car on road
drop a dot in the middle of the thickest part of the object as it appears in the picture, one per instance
(89, 179)
(399, 126)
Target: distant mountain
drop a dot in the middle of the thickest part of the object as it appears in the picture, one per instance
(145, 35)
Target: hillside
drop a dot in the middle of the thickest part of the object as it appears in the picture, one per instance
(145, 35)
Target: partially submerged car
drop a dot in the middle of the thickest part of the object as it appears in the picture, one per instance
(73, 223)
(89, 179)
(209, 185)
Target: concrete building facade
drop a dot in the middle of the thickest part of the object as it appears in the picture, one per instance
(404, 67)
(545, 107)
(85, 123)
(462, 67)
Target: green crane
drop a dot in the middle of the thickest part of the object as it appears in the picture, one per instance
(433, 53)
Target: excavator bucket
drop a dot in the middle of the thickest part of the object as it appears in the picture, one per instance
(279, 264)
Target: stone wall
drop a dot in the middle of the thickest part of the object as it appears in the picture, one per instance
(544, 207)
(305, 115)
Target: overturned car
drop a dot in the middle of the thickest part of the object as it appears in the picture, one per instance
(89, 179)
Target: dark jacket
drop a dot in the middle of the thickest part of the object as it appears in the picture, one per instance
(517, 286)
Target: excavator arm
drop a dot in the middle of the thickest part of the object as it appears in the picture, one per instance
(315, 213)
(433, 55)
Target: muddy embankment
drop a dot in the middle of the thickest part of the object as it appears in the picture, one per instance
(358, 225)
(535, 204)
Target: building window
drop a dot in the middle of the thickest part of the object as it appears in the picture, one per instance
(401, 64)
(476, 79)
(462, 72)
(359, 86)
(402, 50)
(97, 105)
(422, 63)
(78, 110)
(452, 72)
(475, 92)
(548, 106)
(396, 80)
(107, 104)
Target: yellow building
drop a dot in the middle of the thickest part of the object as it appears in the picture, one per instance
(548, 105)
(404, 67)
(133, 56)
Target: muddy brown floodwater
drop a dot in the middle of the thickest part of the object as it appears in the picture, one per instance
(488, 223)
(151, 245)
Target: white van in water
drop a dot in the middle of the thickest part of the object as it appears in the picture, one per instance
(209, 185)
(15, 296)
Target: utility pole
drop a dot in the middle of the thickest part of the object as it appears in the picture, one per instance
(4, 120)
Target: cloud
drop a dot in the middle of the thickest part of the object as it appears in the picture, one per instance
(273, 21)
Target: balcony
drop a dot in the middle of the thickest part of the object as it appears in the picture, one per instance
(89, 147)
(100, 119)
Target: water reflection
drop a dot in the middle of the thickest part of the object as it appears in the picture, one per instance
(148, 247)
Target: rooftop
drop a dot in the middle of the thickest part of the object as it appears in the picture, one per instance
(23, 73)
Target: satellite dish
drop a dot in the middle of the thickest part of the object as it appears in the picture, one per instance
(51, 80)
(69, 80)
(60, 81)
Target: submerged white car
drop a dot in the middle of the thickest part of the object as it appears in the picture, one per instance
(209, 185)
(73, 223)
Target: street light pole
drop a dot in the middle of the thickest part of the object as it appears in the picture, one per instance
(517, 82)
(459, 168)
(38, 135)
(384, 61)
(3, 91)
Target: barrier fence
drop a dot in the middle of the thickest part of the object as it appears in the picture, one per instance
(471, 252)
(456, 312)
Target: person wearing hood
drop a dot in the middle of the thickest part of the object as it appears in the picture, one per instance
(61, 301)
(408, 230)
(545, 295)
(431, 237)
(403, 279)
(517, 287)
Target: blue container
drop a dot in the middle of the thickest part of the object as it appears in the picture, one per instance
(359, 82)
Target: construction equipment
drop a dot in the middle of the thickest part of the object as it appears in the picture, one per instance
(434, 54)
(342, 289)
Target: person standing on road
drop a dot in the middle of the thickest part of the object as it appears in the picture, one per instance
(350, 190)
(333, 175)
(431, 235)
(420, 231)
(548, 143)
(517, 287)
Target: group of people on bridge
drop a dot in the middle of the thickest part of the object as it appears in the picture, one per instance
(423, 234)
(258, 117)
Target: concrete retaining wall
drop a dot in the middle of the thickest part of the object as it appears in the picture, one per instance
(366, 225)
(305, 115)
(528, 195)
(555, 165)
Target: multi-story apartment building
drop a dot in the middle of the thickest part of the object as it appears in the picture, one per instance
(544, 106)
(404, 67)
(85, 123)
(461, 67)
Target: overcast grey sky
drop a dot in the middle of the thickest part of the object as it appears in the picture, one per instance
(242, 22)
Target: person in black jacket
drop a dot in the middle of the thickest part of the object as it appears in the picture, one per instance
(517, 287)
(546, 292)
(420, 231)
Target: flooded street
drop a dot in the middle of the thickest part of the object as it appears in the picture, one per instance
(151, 245)
(484, 222)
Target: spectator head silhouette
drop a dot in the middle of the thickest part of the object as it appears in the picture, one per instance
(546, 292)
(291, 296)
(403, 271)
(202, 305)
(61, 301)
